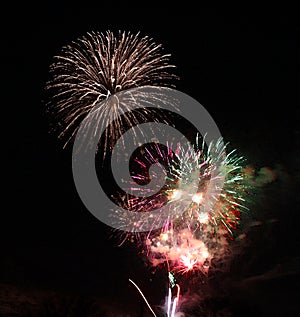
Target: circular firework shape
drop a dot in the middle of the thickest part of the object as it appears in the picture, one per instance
(140, 207)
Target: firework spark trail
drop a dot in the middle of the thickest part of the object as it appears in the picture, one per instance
(172, 306)
(96, 66)
(144, 298)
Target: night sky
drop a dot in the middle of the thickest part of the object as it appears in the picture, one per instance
(242, 67)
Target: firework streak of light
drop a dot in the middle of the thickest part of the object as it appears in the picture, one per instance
(144, 298)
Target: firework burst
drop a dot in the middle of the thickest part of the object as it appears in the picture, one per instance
(196, 231)
(97, 66)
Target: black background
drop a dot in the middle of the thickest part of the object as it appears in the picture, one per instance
(240, 64)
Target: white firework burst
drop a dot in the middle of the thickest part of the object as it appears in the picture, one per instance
(97, 66)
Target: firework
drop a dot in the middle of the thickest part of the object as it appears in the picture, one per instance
(196, 231)
(96, 66)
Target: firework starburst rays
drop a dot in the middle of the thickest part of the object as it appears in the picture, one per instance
(99, 65)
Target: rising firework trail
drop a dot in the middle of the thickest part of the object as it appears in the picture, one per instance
(144, 298)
